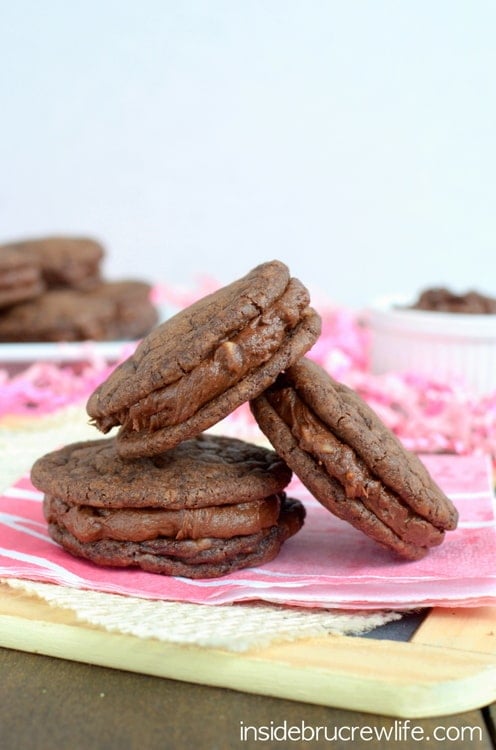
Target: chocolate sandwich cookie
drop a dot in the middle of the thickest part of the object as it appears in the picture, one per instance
(73, 315)
(210, 505)
(199, 558)
(197, 367)
(351, 462)
(134, 314)
(65, 262)
(20, 277)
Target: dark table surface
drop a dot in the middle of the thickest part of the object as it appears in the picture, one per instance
(54, 704)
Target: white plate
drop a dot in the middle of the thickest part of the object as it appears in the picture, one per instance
(70, 351)
(76, 351)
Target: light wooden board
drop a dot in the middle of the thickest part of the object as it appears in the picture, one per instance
(448, 667)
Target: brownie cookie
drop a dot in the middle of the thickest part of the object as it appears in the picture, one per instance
(20, 277)
(134, 314)
(351, 462)
(197, 367)
(201, 558)
(440, 299)
(204, 471)
(103, 314)
(208, 506)
(65, 262)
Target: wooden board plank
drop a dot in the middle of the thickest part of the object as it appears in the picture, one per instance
(467, 629)
(411, 680)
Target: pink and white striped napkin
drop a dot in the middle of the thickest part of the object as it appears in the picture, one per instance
(327, 564)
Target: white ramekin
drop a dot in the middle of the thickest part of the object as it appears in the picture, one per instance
(444, 346)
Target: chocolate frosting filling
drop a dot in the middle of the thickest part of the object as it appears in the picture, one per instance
(90, 524)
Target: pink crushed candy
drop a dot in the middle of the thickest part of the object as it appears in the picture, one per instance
(428, 416)
(44, 387)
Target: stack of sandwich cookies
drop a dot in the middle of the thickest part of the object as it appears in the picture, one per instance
(200, 365)
(52, 289)
(164, 495)
(208, 507)
(351, 462)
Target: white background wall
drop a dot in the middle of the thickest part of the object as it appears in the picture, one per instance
(353, 139)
